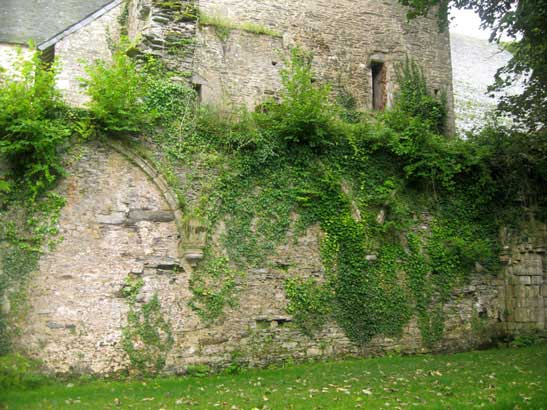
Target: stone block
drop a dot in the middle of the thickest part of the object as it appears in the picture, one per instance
(537, 280)
(524, 280)
(531, 265)
(138, 215)
(532, 291)
(525, 315)
(527, 303)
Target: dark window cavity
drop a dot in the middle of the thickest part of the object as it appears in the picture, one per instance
(378, 85)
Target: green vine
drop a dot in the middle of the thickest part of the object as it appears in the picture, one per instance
(147, 337)
(214, 286)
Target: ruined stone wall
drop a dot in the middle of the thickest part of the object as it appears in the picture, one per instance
(120, 224)
(524, 291)
(166, 32)
(74, 52)
(116, 223)
(344, 37)
(243, 70)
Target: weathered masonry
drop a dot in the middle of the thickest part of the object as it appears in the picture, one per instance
(127, 251)
(234, 49)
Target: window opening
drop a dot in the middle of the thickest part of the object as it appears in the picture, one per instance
(198, 89)
(378, 85)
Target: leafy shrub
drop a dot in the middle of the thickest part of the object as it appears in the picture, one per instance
(516, 164)
(525, 340)
(198, 370)
(118, 90)
(33, 124)
(304, 116)
(170, 100)
(414, 99)
(21, 373)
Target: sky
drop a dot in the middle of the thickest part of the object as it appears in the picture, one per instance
(467, 22)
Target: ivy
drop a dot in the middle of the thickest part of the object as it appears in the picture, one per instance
(147, 337)
(406, 213)
(214, 286)
(309, 303)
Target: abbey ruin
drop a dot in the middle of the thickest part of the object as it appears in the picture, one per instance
(122, 219)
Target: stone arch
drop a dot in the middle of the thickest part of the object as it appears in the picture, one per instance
(191, 233)
(121, 221)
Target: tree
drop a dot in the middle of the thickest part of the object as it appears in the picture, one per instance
(525, 21)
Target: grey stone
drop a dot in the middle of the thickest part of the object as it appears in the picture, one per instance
(138, 215)
(55, 325)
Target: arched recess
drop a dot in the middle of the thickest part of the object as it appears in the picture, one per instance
(191, 233)
(124, 243)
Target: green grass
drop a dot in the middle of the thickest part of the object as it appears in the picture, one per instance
(229, 25)
(495, 379)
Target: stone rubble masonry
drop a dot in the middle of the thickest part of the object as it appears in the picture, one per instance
(243, 68)
(345, 37)
(121, 221)
(525, 284)
(117, 223)
(167, 33)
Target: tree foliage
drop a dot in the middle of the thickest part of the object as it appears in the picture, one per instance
(525, 22)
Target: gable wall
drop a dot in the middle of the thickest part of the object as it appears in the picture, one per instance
(74, 52)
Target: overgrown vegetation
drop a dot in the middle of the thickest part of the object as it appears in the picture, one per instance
(20, 373)
(406, 213)
(147, 336)
(214, 288)
(372, 185)
(523, 22)
(34, 125)
(224, 26)
(117, 92)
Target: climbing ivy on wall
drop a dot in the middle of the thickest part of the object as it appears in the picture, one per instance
(214, 287)
(147, 336)
(406, 212)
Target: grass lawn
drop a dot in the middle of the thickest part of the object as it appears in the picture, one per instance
(494, 379)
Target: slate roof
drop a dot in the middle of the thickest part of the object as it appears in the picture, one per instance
(39, 20)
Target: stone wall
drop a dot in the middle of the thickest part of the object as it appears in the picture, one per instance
(91, 42)
(524, 291)
(344, 37)
(116, 224)
(242, 70)
(120, 222)
(166, 32)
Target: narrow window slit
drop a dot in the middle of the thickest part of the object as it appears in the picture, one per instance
(378, 86)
